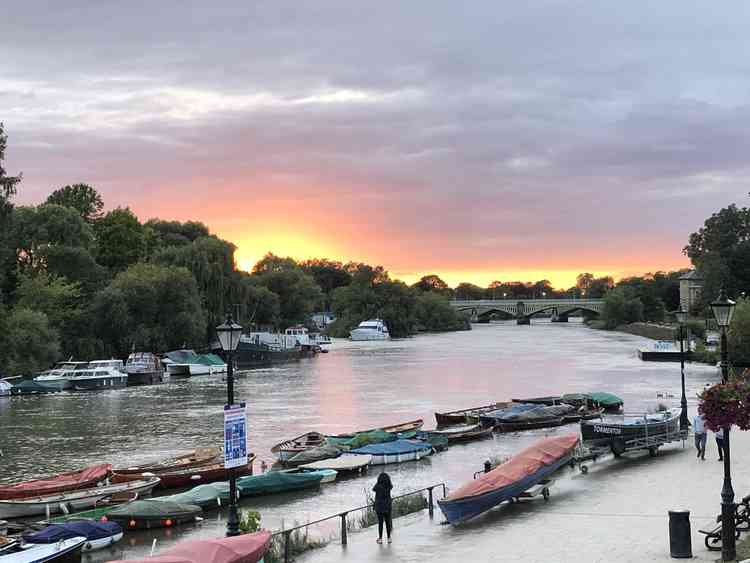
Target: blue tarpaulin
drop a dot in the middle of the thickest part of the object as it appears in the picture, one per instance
(86, 528)
(392, 448)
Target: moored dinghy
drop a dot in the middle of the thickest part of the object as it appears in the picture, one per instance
(65, 551)
(247, 548)
(397, 451)
(275, 482)
(98, 534)
(343, 464)
(200, 456)
(74, 480)
(148, 514)
(510, 479)
(290, 448)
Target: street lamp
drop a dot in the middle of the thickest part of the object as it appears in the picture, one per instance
(723, 309)
(682, 317)
(229, 337)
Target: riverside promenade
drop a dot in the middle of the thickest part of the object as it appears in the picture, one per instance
(615, 513)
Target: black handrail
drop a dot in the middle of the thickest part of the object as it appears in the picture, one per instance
(288, 532)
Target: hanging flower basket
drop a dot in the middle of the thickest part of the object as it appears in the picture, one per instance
(726, 404)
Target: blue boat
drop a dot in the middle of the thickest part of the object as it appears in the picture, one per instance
(98, 534)
(397, 451)
(509, 480)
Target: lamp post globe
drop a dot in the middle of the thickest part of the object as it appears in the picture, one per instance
(681, 315)
(723, 309)
(229, 333)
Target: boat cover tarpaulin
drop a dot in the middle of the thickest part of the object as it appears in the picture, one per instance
(527, 462)
(314, 454)
(349, 462)
(210, 360)
(248, 548)
(84, 528)
(277, 482)
(30, 387)
(183, 357)
(74, 480)
(606, 399)
(360, 439)
(393, 448)
(538, 413)
(153, 509)
(203, 495)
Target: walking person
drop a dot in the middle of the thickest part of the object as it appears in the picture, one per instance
(719, 435)
(383, 505)
(699, 429)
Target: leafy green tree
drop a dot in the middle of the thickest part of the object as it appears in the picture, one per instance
(738, 336)
(211, 261)
(328, 274)
(81, 197)
(621, 308)
(469, 291)
(7, 191)
(121, 239)
(161, 234)
(434, 313)
(258, 305)
(29, 344)
(271, 263)
(36, 230)
(433, 283)
(721, 251)
(149, 307)
(298, 293)
(55, 297)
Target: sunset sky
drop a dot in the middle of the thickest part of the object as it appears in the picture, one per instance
(479, 141)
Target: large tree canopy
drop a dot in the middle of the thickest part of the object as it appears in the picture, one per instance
(81, 197)
(121, 239)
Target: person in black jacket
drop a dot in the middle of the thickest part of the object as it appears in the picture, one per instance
(383, 505)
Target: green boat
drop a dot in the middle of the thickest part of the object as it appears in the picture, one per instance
(210, 495)
(275, 482)
(148, 514)
(360, 439)
(607, 401)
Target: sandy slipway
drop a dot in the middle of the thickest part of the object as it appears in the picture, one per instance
(615, 513)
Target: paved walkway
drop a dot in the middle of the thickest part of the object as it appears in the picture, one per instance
(618, 512)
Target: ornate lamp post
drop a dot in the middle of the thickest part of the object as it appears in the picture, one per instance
(682, 317)
(723, 309)
(229, 337)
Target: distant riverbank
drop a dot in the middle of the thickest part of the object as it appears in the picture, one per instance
(653, 331)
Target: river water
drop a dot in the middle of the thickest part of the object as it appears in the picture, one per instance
(355, 386)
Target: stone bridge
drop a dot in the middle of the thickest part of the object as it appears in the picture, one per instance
(523, 309)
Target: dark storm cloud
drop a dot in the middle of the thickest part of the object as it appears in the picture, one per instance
(564, 124)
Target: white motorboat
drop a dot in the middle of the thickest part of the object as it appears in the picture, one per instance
(73, 501)
(372, 329)
(5, 388)
(64, 550)
(113, 364)
(144, 368)
(58, 378)
(186, 363)
(98, 379)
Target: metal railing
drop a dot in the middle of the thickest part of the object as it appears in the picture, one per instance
(342, 515)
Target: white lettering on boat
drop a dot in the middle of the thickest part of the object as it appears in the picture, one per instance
(607, 429)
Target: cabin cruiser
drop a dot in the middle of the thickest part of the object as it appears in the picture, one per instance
(58, 378)
(114, 364)
(97, 378)
(5, 388)
(144, 368)
(372, 329)
(303, 338)
(186, 363)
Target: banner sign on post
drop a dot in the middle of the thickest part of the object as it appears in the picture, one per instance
(235, 436)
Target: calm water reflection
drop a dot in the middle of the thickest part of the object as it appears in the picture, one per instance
(357, 385)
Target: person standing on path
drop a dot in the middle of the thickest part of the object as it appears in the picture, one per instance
(699, 429)
(719, 435)
(383, 505)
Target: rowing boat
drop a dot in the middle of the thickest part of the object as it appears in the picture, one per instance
(72, 501)
(397, 451)
(510, 479)
(616, 430)
(462, 432)
(153, 513)
(289, 448)
(342, 464)
(189, 477)
(65, 551)
(198, 457)
(98, 534)
(275, 482)
(75, 480)
(465, 416)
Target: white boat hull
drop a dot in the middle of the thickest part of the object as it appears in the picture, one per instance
(48, 552)
(359, 335)
(386, 459)
(191, 370)
(92, 545)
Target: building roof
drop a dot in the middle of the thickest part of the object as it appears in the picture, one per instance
(693, 275)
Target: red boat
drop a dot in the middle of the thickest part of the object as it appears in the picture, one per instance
(201, 456)
(190, 477)
(248, 548)
(72, 481)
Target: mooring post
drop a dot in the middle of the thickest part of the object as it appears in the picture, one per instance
(343, 528)
(287, 538)
(431, 506)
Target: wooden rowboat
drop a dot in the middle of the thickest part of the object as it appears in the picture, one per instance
(394, 429)
(72, 481)
(289, 448)
(463, 433)
(72, 501)
(466, 416)
(200, 456)
(189, 477)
